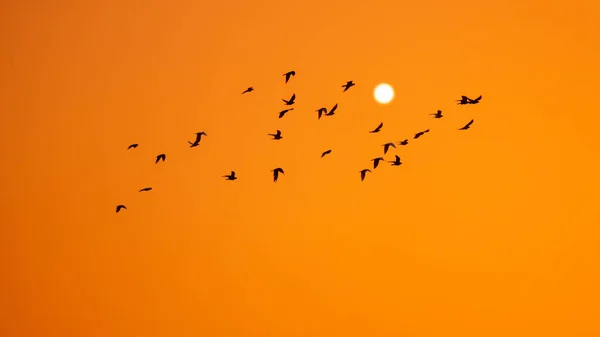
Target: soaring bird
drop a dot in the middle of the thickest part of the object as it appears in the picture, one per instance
(438, 114)
(250, 89)
(146, 189)
(132, 146)
(348, 85)
(291, 101)
(276, 136)
(198, 137)
(468, 125)
(321, 111)
(419, 134)
(276, 173)
(231, 176)
(160, 157)
(282, 113)
(466, 100)
(396, 162)
(363, 173)
(325, 153)
(404, 142)
(332, 111)
(119, 207)
(376, 161)
(288, 75)
(377, 129)
(386, 147)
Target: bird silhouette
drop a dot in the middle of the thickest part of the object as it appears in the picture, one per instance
(332, 111)
(288, 75)
(325, 153)
(468, 125)
(376, 161)
(250, 89)
(466, 100)
(363, 173)
(198, 137)
(276, 173)
(132, 146)
(348, 85)
(119, 207)
(396, 162)
(378, 128)
(282, 113)
(321, 111)
(386, 147)
(231, 176)
(146, 189)
(291, 101)
(276, 136)
(404, 142)
(438, 114)
(419, 134)
(160, 157)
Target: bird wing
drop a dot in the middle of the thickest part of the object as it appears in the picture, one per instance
(478, 98)
(380, 126)
(233, 173)
(471, 122)
(397, 158)
(293, 97)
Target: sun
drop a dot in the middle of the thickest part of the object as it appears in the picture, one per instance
(384, 93)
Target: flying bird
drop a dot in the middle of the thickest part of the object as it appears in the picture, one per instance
(276, 136)
(198, 137)
(291, 101)
(419, 134)
(332, 111)
(363, 173)
(321, 111)
(146, 189)
(386, 147)
(250, 89)
(160, 157)
(348, 85)
(282, 113)
(466, 100)
(377, 129)
(396, 162)
(468, 125)
(276, 173)
(288, 75)
(119, 207)
(404, 142)
(438, 114)
(231, 176)
(132, 146)
(325, 153)
(376, 161)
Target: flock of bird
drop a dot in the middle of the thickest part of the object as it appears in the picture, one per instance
(464, 100)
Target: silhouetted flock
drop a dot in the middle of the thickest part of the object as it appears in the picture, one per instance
(320, 113)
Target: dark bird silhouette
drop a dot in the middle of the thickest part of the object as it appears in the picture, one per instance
(468, 125)
(321, 111)
(291, 101)
(386, 147)
(396, 162)
(119, 207)
(132, 146)
(288, 75)
(363, 173)
(376, 161)
(282, 113)
(378, 128)
(419, 134)
(231, 176)
(276, 173)
(348, 85)
(325, 153)
(276, 136)
(146, 189)
(438, 114)
(332, 111)
(198, 137)
(160, 157)
(466, 100)
(404, 142)
(250, 89)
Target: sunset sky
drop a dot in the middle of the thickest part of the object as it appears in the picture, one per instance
(493, 231)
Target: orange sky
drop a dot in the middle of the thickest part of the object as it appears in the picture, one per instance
(487, 232)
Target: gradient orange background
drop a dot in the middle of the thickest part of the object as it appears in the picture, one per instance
(487, 232)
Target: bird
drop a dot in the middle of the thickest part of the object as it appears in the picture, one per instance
(146, 189)
(363, 173)
(404, 142)
(386, 147)
(419, 134)
(160, 157)
(282, 113)
(332, 111)
(438, 114)
(276, 136)
(132, 146)
(348, 85)
(250, 89)
(198, 137)
(276, 173)
(231, 176)
(288, 75)
(291, 101)
(119, 207)
(378, 128)
(468, 125)
(376, 161)
(396, 162)
(321, 111)
(325, 153)
(466, 100)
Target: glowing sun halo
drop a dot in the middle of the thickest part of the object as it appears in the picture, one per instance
(384, 93)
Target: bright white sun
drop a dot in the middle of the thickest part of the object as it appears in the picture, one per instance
(384, 93)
